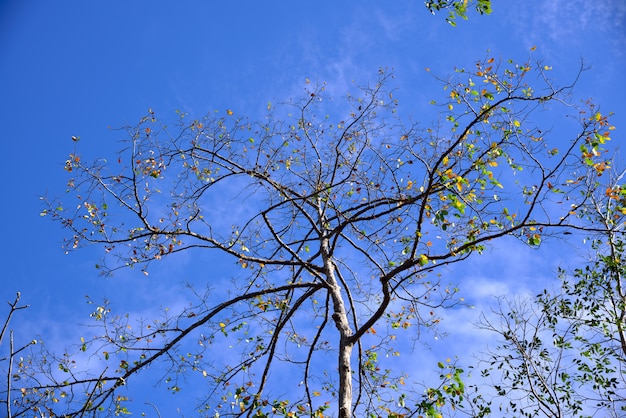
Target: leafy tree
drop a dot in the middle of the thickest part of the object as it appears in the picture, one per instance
(458, 8)
(453, 396)
(564, 354)
(339, 226)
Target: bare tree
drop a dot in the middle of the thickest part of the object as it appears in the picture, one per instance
(338, 224)
(13, 352)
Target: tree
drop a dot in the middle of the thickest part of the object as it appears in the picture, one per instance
(564, 353)
(339, 225)
(458, 8)
(13, 351)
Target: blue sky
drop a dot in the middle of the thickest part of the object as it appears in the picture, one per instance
(76, 68)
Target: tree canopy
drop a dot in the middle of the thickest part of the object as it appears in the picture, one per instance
(325, 238)
(563, 354)
(340, 218)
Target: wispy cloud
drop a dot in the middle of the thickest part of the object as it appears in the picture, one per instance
(571, 22)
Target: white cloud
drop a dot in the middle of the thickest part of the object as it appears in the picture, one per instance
(570, 22)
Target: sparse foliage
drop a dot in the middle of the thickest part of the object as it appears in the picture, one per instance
(13, 371)
(564, 354)
(339, 218)
(458, 8)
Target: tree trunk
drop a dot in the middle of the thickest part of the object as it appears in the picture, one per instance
(340, 316)
(345, 378)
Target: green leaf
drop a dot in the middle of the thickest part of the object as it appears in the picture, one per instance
(534, 240)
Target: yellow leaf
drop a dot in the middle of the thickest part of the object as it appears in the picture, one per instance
(229, 112)
(516, 123)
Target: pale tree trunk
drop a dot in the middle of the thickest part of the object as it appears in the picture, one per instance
(345, 378)
(340, 316)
